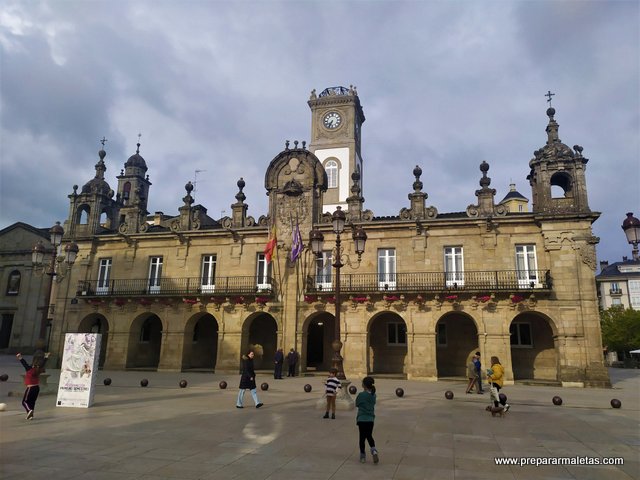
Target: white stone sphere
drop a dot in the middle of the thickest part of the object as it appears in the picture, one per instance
(3, 407)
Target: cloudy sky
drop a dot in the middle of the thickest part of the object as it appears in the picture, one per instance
(219, 87)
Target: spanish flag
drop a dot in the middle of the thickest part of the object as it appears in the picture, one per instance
(270, 249)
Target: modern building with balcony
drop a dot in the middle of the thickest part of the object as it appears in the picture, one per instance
(619, 284)
(188, 291)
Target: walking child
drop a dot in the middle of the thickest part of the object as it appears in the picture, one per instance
(366, 402)
(331, 388)
(32, 382)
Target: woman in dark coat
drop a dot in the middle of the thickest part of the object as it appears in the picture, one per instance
(248, 380)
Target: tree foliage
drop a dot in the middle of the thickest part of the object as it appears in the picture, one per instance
(620, 329)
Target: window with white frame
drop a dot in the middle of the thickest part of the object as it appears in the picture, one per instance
(104, 275)
(208, 275)
(634, 294)
(441, 335)
(396, 333)
(263, 273)
(520, 334)
(323, 271)
(331, 167)
(616, 301)
(526, 266)
(387, 268)
(155, 274)
(453, 266)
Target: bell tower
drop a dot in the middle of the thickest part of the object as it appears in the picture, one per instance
(336, 122)
(557, 175)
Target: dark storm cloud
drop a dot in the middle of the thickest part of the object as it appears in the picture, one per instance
(219, 87)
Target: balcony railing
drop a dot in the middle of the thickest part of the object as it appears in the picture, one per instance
(169, 286)
(615, 291)
(490, 281)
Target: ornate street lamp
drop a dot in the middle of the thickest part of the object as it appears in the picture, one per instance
(338, 219)
(56, 268)
(631, 227)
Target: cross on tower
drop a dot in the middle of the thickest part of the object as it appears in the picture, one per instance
(549, 95)
(138, 145)
(103, 141)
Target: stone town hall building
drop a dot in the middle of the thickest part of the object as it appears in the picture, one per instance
(193, 292)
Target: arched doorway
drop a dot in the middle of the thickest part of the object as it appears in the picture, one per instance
(96, 323)
(200, 342)
(387, 340)
(260, 332)
(145, 341)
(456, 340)
(534, 354)
(320, 335)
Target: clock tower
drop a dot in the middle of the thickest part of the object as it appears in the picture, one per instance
(336, 121)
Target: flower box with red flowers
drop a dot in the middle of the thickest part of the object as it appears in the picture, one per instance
(331, 299)
(419, 299)
(218, 300)
(238, 300)
(451, 298)
(144, 301)
(517, 298)
(310, 298)
(190, 301)
(262, 300)
(95, 301)
(391, 298)
(484, 298)
(359, 299)
(119, 301)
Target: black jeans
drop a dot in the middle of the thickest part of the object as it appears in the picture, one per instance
(496, 403)
(366, 432)
(30, 397)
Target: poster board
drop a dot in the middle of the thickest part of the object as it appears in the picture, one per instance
(79, 370)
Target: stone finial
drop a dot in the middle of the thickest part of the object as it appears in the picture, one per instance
(417, 184)
(286, 145)
(240, 196)
(304, 145)
(295, 144)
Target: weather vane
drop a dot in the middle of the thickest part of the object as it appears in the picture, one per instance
(549, 95)
(103, 141)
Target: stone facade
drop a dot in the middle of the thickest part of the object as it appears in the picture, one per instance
(193, 292)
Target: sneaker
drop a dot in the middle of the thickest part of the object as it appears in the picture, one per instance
(326, 415)
(30, 415)
(506, 407)
(374, 454)
(363, 458)
(239, 406)
(333, 416)
(259, 405)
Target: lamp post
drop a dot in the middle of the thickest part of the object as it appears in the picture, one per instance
(338, 220)
(631, 227)
(53, 268)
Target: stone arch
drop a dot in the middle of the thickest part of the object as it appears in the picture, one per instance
(260, 332)
(200, 342)
(387, 343)
(456, 341)
(145, 341)
(97, 323)
(534, 347)
(561, 185)
(318, 334)
(82, 214)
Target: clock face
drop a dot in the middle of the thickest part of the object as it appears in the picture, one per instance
(332, 120)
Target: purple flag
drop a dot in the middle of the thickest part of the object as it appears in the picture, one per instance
(296, 245)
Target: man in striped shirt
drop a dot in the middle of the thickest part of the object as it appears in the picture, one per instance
(331, 388)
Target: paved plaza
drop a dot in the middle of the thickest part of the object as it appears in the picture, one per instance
(165, 432)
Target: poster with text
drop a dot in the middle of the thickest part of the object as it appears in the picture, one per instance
(79, 369)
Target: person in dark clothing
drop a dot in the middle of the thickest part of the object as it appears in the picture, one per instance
(248, 380)
(478, 367)
(32, 382)
(366, 402)
(278, 360)
(292, 359)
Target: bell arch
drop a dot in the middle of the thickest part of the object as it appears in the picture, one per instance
(200, 349)
(456, 339)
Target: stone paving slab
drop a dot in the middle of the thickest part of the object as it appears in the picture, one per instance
(165, 432)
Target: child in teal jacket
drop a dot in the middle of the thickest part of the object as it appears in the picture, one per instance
(366, 402)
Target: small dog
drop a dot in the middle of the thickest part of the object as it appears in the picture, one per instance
(496, 411)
